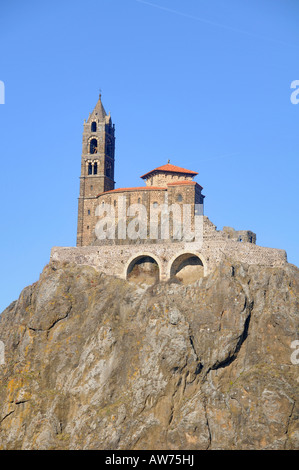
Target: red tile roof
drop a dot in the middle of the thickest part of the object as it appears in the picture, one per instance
(141, 188)
(168, 168)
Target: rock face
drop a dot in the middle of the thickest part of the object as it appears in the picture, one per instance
(95, 362)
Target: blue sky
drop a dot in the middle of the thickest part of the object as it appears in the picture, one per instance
(204, 83)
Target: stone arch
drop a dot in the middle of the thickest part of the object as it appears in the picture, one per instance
(180, 261)
(139, 259)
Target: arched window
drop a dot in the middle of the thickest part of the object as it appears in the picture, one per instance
(95, 168)
(179, 198)
(93, 126)
(93, 148)
(89, 168)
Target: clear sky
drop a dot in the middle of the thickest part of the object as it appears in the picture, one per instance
(204, 83)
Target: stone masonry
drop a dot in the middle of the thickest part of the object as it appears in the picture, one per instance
(97, 167)
(166, 185)
(115, 259)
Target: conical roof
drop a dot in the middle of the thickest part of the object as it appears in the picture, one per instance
(99, 112)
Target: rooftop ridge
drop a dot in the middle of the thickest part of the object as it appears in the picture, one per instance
(169, 168)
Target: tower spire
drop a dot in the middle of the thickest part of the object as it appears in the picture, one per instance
(99, 113)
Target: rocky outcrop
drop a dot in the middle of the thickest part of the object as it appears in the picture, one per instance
(96, 362)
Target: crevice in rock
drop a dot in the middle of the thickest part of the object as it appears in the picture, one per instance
(198, 369)
(288, 422)
(6, 416)
(199, 366)
(20, 402)
(220, 320)
(180, 384)
(53, 324)
(59, 319)
(226, 362)
(208, 425)
(34, 329)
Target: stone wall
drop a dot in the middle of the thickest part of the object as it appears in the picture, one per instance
(240, 235)
(152, 198)
(115, 259)
(162, 179)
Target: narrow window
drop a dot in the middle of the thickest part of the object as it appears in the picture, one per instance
(95, 168)
(93, 148)
(89, 168)
(179, 198)
(88, 212)
(93, 127)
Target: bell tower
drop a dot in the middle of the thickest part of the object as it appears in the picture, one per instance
(97, 168)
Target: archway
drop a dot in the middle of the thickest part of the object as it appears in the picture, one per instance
(187, 267)
(143, 268)
(93, 146)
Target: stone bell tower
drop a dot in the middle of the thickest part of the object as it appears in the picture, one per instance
(97, 168)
